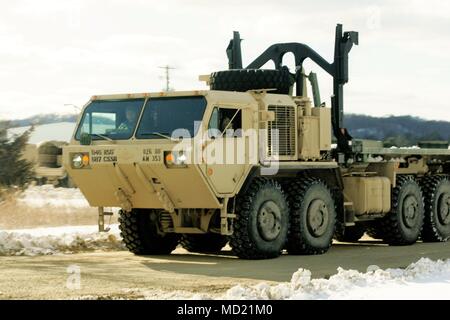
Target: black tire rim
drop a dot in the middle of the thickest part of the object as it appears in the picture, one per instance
(269, 221)
(317, 217)
(410, 210)
(444, 209)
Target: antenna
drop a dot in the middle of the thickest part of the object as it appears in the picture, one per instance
(167, 68)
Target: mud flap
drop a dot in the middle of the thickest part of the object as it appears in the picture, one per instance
(101, 219)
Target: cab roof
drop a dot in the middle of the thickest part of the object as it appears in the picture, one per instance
(149, 95)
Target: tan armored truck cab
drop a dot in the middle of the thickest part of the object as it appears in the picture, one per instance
(252, 163)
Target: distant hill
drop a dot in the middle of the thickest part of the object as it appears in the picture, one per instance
(393, 130)
(397, 130)
(42, 119)
(60, 131)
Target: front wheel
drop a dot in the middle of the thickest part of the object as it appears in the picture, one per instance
(203, 243)
(140, 233)
(262, 220)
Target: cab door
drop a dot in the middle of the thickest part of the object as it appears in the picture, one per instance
(226, 153)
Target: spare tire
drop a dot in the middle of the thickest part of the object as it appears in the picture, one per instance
(252, 79)
(49, 148)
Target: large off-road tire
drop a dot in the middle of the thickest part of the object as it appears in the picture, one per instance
(66, 182)
(203, 243)
(403, 224)
(139, 232)
(312, 217)
(436, 191)
(375, 229)
(251, 79)
(262, 221)
(350, 234)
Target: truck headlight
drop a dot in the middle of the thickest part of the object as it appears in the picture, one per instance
(175, 159)
(80, 160)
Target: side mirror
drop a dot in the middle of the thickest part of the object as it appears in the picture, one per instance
(85, 139)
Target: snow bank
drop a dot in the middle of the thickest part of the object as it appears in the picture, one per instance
(49, 196)
(425, 279)
(59, 240)
(411, 147)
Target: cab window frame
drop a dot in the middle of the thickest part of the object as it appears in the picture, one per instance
(142, 134)
(89, 113)
(234, 113)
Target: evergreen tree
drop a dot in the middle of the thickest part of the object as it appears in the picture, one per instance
(14, 170)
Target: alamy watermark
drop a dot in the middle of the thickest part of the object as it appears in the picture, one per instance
(231, 147)
(73, 281)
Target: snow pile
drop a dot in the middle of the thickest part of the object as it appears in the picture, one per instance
(409, 148)
(425, 279)
(46, 241)
(49, 196)
(170, 295)
(374, 159)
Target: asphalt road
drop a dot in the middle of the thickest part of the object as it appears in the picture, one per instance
(123, 275)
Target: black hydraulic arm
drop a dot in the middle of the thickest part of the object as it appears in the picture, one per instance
(234, 52)
(338, 70)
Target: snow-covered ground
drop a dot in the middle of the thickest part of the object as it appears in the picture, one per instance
(424, 279)
(58, 240)
(49, 196)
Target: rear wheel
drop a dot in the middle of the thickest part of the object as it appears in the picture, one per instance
(437, 208)
(140, 233)
(262, 221)
(375, 229)
(403, 224)
(350, 234)
(313, 217)
(203, 243)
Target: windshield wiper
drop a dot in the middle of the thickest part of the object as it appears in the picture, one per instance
(102, 136)
(158, 134)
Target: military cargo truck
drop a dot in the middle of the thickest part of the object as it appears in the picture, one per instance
(46, 158)
(49, 169)
(250, 162)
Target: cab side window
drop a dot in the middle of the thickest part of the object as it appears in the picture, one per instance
(226, 122)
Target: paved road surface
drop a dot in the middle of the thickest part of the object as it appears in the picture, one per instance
(123, 275)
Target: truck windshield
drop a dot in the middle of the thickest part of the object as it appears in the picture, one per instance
(162, 116)
(110, 119)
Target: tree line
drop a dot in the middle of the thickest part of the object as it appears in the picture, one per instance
(400, 131)
(14, 170)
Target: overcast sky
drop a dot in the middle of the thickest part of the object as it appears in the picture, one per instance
(56, 52)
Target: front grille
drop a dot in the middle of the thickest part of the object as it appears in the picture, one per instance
(283, 143)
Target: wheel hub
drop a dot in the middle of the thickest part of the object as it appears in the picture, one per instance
(269, 221)
(409, 211)
(444, 209)
(317, 217)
